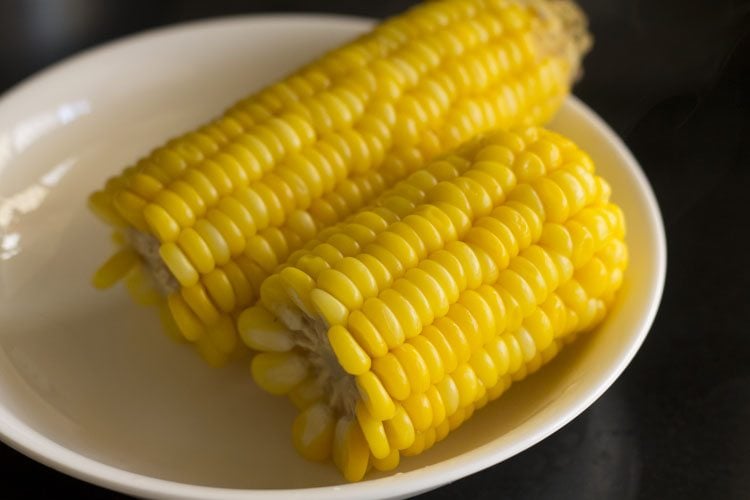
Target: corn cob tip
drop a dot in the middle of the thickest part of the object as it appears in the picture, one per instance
(562, 30)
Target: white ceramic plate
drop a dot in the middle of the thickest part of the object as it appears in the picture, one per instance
(89, 385)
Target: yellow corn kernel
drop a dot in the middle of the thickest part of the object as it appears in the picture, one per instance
(278, 372)
(197, 299)
(388, 463)
(373, 431)
(329, 307)
(392, 375)
(366, 334)
(261, 331)
(375, 396)
(115, 268)
(220, 289)
(188, 323)
(418, 408)
(178, 264)
(312, 432)
(399, 429)
(350, 450)
(354, 360)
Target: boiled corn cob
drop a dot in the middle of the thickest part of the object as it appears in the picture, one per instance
(388, 339)
(205, 218)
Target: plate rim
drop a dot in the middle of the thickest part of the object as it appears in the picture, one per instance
(16, 434)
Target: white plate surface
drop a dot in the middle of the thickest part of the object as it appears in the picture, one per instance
(90, 386)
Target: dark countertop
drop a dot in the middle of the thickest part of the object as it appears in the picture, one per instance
(672, 77)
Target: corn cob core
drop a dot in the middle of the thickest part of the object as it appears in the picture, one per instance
(204, 219)
(387, 346)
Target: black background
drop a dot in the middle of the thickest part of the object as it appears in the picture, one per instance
(672, 77)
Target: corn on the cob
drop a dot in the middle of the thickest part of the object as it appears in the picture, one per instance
(205, 218)
(387, 339)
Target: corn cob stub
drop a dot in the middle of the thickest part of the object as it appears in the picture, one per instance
(204, 219)
(387, 345)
